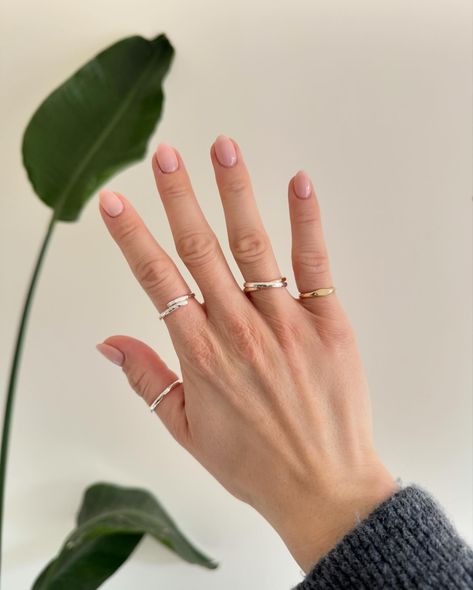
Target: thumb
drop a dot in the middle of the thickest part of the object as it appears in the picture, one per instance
(149, 375)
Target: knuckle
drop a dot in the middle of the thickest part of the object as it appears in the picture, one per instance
(337, 335)
(201, 352)
(311, 263)
(311, 218)
(290, 333)
(127, 232)
(140, 382)
(175, 190)
(250, 246)
(307, 219)
(235, 186)
(197, 248)
(333, 326)
(153, 274)
(245, 337)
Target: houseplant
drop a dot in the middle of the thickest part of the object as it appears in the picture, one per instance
(92, 126)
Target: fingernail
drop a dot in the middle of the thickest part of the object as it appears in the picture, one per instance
(111, 353)
(225, 151)
(112, 204)
(166, 158)
(302, 185)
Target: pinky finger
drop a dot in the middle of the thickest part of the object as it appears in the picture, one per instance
(309, 252)
(148, 376)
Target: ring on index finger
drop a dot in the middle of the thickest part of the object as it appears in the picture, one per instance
(175, 304)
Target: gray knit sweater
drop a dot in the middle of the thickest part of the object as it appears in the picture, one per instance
(406, 543)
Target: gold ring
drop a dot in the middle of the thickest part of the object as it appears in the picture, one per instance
(317, 293)
(255, 286)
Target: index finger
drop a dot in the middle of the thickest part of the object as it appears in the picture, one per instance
(153, 268)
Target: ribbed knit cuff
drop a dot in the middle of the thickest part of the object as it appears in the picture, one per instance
(406, 543)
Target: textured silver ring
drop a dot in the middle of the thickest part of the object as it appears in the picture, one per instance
(256, 285)
(175, 303)
(163, 394)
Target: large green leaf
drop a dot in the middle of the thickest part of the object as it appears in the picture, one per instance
(96, 123)
(110, 523)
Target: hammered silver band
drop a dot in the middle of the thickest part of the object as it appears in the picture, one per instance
(174, 304)
(163, 394)
(256, 285)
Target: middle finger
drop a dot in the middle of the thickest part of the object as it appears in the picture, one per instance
(196, 243)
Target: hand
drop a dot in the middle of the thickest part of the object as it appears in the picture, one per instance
(274, 401)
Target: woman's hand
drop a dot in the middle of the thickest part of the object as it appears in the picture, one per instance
(274, 401)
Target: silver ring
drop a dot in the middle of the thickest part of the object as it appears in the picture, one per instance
(163, 394)
(248, 287)
(174, 304)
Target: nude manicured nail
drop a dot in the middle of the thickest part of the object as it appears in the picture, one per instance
(111, 353)
(225, 151)
(302, 185)
(112, 204)
(166, 158)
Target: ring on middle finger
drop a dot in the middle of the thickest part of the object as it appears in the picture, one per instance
(175, 303)
(256, 285)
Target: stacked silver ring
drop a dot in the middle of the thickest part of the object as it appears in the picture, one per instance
(176, 303)
(255, 286)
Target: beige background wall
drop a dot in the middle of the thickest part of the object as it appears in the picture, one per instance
(374, 100)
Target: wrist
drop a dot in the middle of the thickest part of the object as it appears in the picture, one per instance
(318, 521)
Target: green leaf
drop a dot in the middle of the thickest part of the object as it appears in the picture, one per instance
(110, 523)
(96, 123)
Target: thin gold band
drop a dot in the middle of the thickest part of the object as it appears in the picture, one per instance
(317, 293)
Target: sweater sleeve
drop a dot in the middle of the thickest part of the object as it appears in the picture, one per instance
(406, 543)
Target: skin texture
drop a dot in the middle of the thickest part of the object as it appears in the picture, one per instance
(274, 401)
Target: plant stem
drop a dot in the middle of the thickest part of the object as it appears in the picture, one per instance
(14, 369)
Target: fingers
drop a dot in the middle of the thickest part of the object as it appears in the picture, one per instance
(248, 239)
(309, 253)
(195, 241)
(148, 375)
(153, 268)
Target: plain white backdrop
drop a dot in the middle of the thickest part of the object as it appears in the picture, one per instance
(373, 99)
